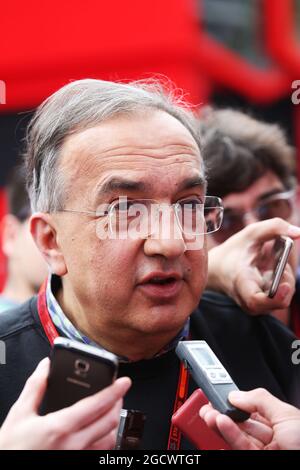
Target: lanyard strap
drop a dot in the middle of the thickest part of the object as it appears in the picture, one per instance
(45, 318)
(181, 396)
(183, 382)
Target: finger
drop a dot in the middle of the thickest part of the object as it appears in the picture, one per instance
(283, 297)
(261, 419)
(99, 429)
(34, 389)
(250, 292)
(107, 443)
(253, 299)
(260, 401)
(268, 229)
(205, 409)
(286, 288)
(234, 436)
(257, 430)
(259, 302)
(89, 409)
(210, 419)
(260, 432)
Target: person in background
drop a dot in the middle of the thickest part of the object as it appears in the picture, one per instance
(252, 168)
(26, 268)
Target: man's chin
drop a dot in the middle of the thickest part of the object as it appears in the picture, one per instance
(164, 320)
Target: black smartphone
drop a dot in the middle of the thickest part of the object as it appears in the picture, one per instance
(280, 254)
(77, 370)
(211, 376)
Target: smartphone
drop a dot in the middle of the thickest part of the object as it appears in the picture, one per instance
(130, 431)
(280, 253)
(77, 371)
(211, 376)
(194, 428)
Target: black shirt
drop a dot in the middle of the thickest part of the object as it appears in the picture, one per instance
(256, 351)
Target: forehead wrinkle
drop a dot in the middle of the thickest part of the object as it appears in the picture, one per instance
(87, 166)
(83, 163)
(138, 167)
(96, 142)
(196, 179)
(94, 137)
(148, 151)
(84, 160)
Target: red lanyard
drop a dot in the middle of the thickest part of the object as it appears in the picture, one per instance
(183, 382)
(181, 395)
(45, 318)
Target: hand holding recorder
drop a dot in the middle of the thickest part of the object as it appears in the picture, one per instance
(211, 376)
(215, 384)
(275, 424)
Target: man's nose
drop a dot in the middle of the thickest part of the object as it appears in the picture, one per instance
(166, 240)
(169, 248)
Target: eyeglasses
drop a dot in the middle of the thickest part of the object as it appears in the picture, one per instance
(276, 205)
(139, 218)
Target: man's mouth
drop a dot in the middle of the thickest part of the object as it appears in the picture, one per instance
(161, 286)
(162, 281)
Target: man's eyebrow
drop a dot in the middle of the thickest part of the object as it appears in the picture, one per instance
(120, 184)
(190, 182)
(123, 184)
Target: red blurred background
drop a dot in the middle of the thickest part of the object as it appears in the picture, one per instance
(241, 53)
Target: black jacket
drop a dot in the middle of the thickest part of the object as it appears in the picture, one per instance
(255, 350)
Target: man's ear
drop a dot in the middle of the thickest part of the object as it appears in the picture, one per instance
(43, 231)
(10, 226)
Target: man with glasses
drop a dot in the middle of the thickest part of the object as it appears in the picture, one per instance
(120, 212)
(251, 166)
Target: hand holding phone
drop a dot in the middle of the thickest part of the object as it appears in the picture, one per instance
(211, 376)
(88, 425)
(77, 371)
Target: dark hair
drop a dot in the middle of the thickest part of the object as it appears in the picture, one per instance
(17, 195)
(238, 150)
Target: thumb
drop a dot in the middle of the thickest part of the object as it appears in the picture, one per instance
(258, 400)
(34, 389)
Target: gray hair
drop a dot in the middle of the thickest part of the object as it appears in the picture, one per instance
(80, 105)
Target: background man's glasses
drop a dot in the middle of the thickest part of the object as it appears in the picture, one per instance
(141, 218)
(277, 205)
